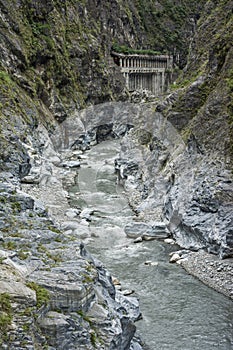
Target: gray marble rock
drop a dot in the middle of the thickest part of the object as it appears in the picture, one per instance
(71, 164)
(145, 230)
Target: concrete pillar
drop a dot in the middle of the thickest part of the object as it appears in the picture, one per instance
(158, 83)
(127, 80)
(153, 83)
(163, 81)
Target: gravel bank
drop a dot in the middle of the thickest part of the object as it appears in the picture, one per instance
(208, 268)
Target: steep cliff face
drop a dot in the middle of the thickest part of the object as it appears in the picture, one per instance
(188, 180)
(59, 51)
(203, 114)
(206, 94)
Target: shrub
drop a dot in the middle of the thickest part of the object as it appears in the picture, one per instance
(5, 312)
(42, 295)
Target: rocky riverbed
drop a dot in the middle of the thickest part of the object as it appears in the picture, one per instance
(63, 297)
(214, 272)
(181, 187)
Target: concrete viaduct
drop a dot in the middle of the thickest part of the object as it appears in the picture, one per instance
(145, 71)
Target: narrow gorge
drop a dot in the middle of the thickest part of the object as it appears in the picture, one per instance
(116, 191)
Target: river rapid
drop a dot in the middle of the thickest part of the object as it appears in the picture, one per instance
(179, 312)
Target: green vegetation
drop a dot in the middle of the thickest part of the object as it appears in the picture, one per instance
(9, 245)
(2, 199)
(167, 23)
(230, 80)
(5, 78)
(127, 50)
(16, 206)
(5, 312)
(22, 254)
(27, 312)
(87, 278)
(84, 316)
(41, 248)
(56, 257)
(93, 337)
(54, 229)
(42, 294)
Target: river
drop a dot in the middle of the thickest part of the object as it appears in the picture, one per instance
(179, 312)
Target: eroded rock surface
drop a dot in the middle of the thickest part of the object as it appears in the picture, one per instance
(61, 296)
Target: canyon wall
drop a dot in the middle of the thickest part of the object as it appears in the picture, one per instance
(55, 60)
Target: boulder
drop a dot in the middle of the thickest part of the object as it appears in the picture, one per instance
(174, 258)
(138, 229)
(146, 231)
(19, 292)
(71, 164)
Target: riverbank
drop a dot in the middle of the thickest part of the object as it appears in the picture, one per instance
(212, 271)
